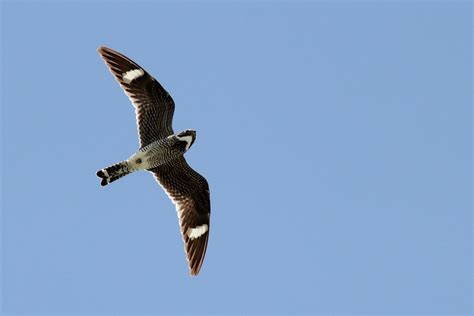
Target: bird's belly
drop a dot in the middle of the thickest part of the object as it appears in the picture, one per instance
(153, 157)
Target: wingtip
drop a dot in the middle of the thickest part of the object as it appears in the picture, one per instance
(103, 49)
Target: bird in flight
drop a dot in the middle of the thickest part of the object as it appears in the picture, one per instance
(161, 152)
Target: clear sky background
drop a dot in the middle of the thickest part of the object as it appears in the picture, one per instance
(336, 138)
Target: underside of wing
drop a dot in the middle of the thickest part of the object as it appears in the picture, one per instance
(189, 191)
(154, 107)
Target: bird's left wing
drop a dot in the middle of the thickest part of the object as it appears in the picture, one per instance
(189, 191)
(154, 107)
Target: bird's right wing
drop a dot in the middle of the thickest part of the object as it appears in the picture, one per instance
(189, 191)
(154, 107)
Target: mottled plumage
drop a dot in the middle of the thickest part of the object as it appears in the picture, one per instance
(161, 152)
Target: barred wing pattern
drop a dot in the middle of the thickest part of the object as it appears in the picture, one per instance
(154, 107)
(189, 191)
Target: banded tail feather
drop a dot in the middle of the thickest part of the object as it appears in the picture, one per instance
(114, 172)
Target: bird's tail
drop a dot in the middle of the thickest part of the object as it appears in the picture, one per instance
(114, 172)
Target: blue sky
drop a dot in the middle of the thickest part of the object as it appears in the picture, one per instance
(336, 138)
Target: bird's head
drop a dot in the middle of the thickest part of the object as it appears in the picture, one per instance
(187, 137)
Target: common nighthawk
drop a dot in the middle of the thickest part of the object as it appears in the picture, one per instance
(161, 152)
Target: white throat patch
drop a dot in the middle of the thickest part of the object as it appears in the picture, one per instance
(131, 75)
(188, 139)
(196, 232)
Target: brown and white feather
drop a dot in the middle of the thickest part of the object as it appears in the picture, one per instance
(154, 107)
(189, 191)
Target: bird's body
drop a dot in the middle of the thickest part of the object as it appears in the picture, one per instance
(161, 152)
(151, 156)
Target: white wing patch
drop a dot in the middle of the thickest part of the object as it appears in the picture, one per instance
(131, 75)
(196, 232)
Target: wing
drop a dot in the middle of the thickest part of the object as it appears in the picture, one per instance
(154, 107)
(189, 191)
